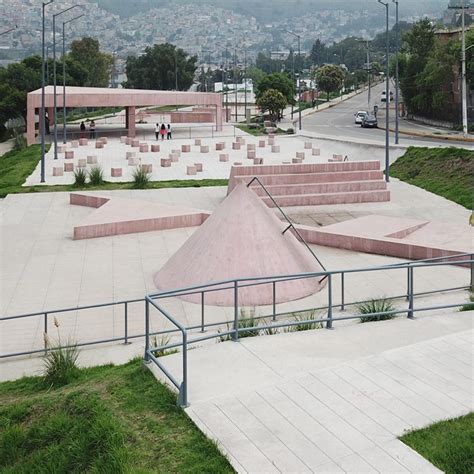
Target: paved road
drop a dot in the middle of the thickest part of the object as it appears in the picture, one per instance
(338, 121)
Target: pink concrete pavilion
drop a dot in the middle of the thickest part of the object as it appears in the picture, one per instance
(130, 99)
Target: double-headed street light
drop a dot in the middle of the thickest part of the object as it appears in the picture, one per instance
(64, 75)
(387, 96)
(396, 74)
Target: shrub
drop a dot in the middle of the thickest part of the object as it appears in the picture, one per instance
(163, 340)
(80, 177)
(381, 305)
(96, 175)
(301, 318)
(140, 178)
(290, 131)
(19, 141)
(469, 306)
(245, 321)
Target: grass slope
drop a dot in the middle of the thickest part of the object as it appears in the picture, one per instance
(447, 172)
(112, 419)
(449, 445)
(16, 166)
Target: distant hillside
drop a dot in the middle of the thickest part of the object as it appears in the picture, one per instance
(265, 10)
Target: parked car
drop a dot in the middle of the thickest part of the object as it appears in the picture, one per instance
(369, 121)
(359, 116)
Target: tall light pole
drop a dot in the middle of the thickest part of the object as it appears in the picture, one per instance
(54, 81)
(397, 32)
(235, 82)
(64, 76)
(299, 78)
(42, 118)
(245, 84)
(387, 96)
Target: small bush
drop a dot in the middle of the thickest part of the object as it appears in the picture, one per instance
(301, 318)
(163, 340)
(290, 131)
(19, 141)
(468, 306)
(96, 176)
(80, 177)
(381, 305)
(140, 178)
(245, 321)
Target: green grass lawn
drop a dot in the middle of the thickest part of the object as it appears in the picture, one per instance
(111, 419)
(16, 166)
(449, 445)
(447, 172)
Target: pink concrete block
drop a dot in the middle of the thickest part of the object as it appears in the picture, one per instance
(143, 148)
(337, 157)
(147, 168)
(92, 160)
(81, 163)
(258, 161)
(300, 154)
(61, 148)
(58, 171)
(135, 143)
(68, 167)
(128, 140)
(224, 157)
(173, 157)
(261, 144)
(297, 160)
(251, 147)
(241, 141)
(204, 149)
(308, 145)
(236, 146)
(116, 172)
(83, 142)
(251, 155)
(220, 146)
(271, 135)
(130, 154)
(198, 167)
(99, 145)
(275, 148)
(74, 144)
(155, 148)
(133, 161)
(271, 141)
(316, 152)
(165, 162)
(176, 152)
(123, 139)
(185, 148)
(103, 140)
(238, 138)
(69, 155)
(191, 170)
(197, 141)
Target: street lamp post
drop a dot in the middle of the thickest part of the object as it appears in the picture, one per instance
(235, 82)
(54, 81)
(245, 84)
(299, 77)
(396, 74)
(387, 96)
(42, 118)
(64, 75)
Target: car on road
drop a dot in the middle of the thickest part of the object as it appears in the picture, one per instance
(359, 116)
(383, 98)
(369, 121)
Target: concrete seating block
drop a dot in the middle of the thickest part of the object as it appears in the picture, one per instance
(251, 147)
(173, 157)
(297, 160)
(220, 146)
(81, 163)
(271, 135)
(251, 154)
(197, 141)
(116, 172)
(61, 148)
(165, 162)
(133, 161)
(123, 139)
(271, 141)
(58, 171)
(300, 154)
(69, 155)
(204, 149)
(236, 146)
(155, 148)
(185, 148)
(261, 143)
(198, 167)
(275, 148)
(135, 143)
(337, 157)
(224, 157)
(130, 154)
(103, 140)
(128, 140)
(68, 167)
(176, 152)
(316, 152)
(191, 170)
(92, 160)
(148, 168)
(74, 144)
(99, 144)
(238, 138)
(286, 162)
(143, 148)
(258, 161)
(83, 142)
(238, 163)
(308, 145)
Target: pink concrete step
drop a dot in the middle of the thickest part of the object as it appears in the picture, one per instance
(329, 198)
(344, 187)
(313, 178)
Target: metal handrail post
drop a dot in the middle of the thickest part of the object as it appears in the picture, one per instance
(408, 283)
(274, 300)
(202, 311)
(147, 331)
(126, 323)
(410, 295)
(45, 329)
(342, 292)
(235, 336)
(329, 322)
(183, 389)
(472, 273)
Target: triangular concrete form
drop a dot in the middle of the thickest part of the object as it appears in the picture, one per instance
(242, 238)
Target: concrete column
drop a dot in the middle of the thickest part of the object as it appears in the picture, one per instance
(219, 117)
(30, 122)
(50, 111)
(130, 120)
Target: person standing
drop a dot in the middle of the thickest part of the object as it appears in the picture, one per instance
(157, 130)
(169, 132)
(83, 130)
(92, 129)
(163, 131)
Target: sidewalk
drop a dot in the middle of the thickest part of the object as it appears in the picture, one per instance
(6, 146)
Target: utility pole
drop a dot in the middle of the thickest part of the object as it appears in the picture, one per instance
(397, 134)
(369, 74)
(245, 84)
(235, 82)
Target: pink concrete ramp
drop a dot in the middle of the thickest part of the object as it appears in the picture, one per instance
(115, 216)
(242, 238)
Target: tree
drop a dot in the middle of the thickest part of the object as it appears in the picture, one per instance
(86, 56)
(330, 78)
(256, 74)
(156, 69)
(273, 102)
(279, 82)
(318, 52)
(267, 64)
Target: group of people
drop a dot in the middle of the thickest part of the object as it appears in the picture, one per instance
(163, 130)
(91, 129)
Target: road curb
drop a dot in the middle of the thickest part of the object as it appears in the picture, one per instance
(430, 135)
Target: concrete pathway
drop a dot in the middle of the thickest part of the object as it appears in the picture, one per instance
(6, 146)
(332, 401)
